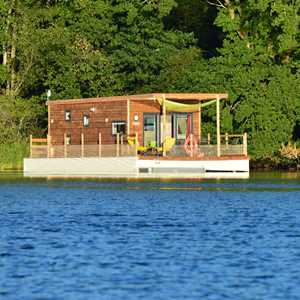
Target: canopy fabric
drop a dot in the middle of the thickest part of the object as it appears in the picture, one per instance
(182, 107)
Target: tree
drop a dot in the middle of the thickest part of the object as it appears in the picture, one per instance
(268, 26)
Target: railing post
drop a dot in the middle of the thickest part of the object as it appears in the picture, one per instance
(245, 144)
(30, 142)
(100, 145)
(65, 145)
(48, 145)
(82, 145)
(122, 142)
(192, 144)
(208, 139)
(226, 140)
(118, 144)
(218, 127)
(164, 134)
(136, 144)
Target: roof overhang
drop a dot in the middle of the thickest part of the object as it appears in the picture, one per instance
(146, 97)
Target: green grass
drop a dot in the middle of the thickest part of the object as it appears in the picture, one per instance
(11, 155)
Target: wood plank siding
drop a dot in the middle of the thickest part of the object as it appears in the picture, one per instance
(101, 115)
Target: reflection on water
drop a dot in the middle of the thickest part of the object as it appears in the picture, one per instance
(153, 239)
(259, 181)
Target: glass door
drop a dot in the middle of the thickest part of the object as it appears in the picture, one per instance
(180, 126)
(151, 130)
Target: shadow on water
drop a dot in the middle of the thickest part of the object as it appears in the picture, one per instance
(258, 181)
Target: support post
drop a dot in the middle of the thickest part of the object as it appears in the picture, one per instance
(200, 124)
(122, 143)
(128, 117)
(82, 145)
(226, 140)
(48, 145)
(164, 124)
(208, 139)
(136, 144)
(65, 145)
(218, 127)
(118, 144)
(100, 145)
(192, 145)
(245, 144)
(30, 143)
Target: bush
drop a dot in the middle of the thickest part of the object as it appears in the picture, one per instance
(11, 155)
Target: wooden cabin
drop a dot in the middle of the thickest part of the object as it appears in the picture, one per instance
(148, 116)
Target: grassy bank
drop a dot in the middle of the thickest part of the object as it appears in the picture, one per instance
(11, 156)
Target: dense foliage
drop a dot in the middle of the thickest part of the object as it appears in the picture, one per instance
(87, 48)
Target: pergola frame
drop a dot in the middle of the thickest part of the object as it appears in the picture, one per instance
(200, 98)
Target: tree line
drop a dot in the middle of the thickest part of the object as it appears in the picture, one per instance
(90, 48)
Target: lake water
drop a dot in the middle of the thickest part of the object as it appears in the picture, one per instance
(93, 239)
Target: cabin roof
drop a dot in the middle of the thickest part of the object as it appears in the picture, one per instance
(144, 97)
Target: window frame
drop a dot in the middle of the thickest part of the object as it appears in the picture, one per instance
(117, 122)
(86, 117)
(70, 115)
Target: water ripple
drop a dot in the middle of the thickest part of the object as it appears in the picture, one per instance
(154, 240)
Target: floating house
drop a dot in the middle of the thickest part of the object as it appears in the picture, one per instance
(149, 135)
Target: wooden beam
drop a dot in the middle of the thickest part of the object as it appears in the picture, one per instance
(100, 145)
(245, 144)
(48, 145)
(128, 117)
(38, 140)
(65, 145)
(49, 120)
(199, 123)
(218, 127)
(164, 125)
(30, 142)
(118, 145)
(146, 97)
(82, 145)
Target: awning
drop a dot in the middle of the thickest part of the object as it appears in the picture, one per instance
(182, 107)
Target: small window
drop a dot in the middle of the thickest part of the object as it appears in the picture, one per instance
(86, 120)
(118, 127)
(67, 115)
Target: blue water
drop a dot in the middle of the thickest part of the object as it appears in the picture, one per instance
(237, 239)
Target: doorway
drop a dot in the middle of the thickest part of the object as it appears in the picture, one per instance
(182, 126)
(151, 134)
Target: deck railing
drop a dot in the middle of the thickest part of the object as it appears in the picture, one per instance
(42, 148)
(231, 145)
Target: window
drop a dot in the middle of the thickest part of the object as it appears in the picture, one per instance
(67, 115)
(86, 120)
(118, 127)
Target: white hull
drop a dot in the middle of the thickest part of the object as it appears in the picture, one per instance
(132, 167)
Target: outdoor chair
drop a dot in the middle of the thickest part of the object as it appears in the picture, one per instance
(132, 140)
(167, 145)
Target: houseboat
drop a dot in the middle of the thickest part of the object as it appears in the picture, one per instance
(149, 135)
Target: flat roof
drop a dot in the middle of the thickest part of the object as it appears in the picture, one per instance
(145, 97)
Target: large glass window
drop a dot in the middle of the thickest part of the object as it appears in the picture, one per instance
(118, 127)
(181, 126)
(151, 129)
